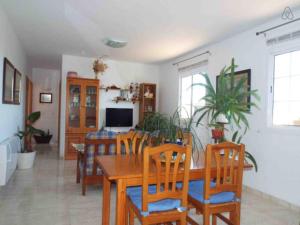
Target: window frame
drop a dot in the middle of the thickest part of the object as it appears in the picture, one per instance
(272, 53)
(188, 73)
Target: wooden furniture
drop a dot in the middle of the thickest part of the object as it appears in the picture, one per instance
(127, 170)
(147, 100)
(148, 206)
(124, 140)
(132, 142)
(223, 195)
(82, 112)
(139, 141)
(95, 176)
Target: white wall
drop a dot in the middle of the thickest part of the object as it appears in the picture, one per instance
(119, 73)
(276, 149)
(11, 116)
(47, 81)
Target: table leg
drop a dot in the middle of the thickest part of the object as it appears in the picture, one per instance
(121, 202)
(106, 201)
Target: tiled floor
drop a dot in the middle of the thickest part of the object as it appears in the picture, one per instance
(48, 195)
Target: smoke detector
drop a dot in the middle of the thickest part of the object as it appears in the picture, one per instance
(113, 43)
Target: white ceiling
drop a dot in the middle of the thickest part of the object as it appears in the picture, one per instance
(156, 30)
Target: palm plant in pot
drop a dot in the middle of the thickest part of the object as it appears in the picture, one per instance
(227, 104)
(27, 155)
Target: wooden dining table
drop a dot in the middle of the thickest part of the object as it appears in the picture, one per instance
(126, 170)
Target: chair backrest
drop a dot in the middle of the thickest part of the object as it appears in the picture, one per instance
(133, 142)
(125, 140)
(140, 140)
(226, 161)
(160, 161)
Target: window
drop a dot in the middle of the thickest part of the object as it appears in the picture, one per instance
(191, 95)
(286, 94)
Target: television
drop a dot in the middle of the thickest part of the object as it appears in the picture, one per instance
(118, 117)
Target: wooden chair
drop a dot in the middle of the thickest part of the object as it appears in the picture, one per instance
(87, 169)
(133, 142)
(225, 163)
(163, 202)
(139, 142)
(125, 140)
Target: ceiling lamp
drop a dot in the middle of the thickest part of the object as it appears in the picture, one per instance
(113, 43)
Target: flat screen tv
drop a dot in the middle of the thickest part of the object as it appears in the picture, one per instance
(118, 117)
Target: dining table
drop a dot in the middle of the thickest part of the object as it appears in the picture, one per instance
(126, 171)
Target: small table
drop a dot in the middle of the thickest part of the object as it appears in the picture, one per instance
(126, 170)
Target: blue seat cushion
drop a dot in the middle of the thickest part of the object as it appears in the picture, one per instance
(135, 194)
(196, 191)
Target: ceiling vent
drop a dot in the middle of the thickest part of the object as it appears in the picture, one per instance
(113, 43)
(283, 38)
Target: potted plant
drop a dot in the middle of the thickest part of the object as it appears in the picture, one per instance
(170, 129)
(27, 155)
(43, 137)
(227, 105)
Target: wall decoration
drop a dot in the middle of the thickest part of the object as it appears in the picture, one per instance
(243, 74)
(8, 82)
(46, 98)
(99, 67)
(17, 87)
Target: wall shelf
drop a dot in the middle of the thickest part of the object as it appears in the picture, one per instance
(117, 100)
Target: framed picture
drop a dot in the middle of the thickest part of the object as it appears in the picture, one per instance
(243, 74)
(17, 87)
(8, 82)
(45, 97)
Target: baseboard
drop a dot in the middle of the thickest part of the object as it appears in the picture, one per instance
(272, 198)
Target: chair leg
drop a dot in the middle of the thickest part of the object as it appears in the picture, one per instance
(238, 214)
(183, 219)
(206, 216)
(78, 173)
(214, 219)
(83, 187)
(131, 216)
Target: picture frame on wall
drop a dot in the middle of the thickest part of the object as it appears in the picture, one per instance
(17, 87)
(46, 98)
(243, 74)
(8, 82)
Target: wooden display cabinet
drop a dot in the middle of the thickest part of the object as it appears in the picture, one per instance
(82, 111)
(147, 100)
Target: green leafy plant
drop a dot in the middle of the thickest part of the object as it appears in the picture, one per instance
(228, 100)
(248, 156)
(170, 128)
(30, 131)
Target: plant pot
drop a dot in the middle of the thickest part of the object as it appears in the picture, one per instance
(26, 160)
(42, 139)
(217, 133)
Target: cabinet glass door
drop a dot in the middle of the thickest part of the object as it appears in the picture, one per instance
(90, 107)
(74, 106)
